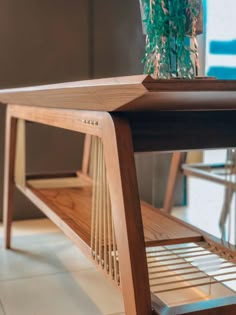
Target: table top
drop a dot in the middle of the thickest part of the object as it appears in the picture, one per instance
(132, 93)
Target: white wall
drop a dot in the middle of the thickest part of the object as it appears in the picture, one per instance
(221, 26)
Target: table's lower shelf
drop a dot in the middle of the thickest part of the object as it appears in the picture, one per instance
(72, 207)
(185, 273)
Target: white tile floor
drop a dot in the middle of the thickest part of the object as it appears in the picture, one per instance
(45, 274)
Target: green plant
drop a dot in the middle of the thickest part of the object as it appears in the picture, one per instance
(171, 46)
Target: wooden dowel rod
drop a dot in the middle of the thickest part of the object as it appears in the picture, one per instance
(190, 273)
(181, 258)
(92, 162)
(173, 264)
(175, 254)
(96, 197)
(103, 240)
(187, 268)
(86, 154)
(105, 209)
(170, 270)
(197, 278)
(109, 230)
(166, 265)
(114, 251)
(196, 285)
(176, 275)
(175, 249)
(183, 280)
(100, 200)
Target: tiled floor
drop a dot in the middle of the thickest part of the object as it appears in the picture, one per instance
(45, 274)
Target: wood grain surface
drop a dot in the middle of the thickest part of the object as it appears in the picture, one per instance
(9, 169)
(133, 93)
(70, 205)
(75, 204)
(162, 230)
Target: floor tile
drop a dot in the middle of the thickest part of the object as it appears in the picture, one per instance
(2, 312)
(80, 293)
(32, 231)
(104, 294)
(26, 259)
(32, 227)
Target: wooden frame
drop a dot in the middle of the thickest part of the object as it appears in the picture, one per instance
(105, 127)
(142, 125)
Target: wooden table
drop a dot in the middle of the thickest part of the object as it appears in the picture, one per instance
(127, 239)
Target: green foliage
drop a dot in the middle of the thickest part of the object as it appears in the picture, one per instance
(169, 24)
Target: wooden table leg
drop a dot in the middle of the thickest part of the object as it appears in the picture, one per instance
(10, 145)
(119, 158)
(177, 159)
(228, 196)
(20, 154)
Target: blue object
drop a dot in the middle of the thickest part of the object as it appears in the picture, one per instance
(221, 42)
(223, 47)
(223, 73)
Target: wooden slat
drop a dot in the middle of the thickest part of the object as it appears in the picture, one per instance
(162, 230)
(86, 154)
(66, 182)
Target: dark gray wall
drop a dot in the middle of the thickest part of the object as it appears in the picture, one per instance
(45, 41)
(118, 39)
